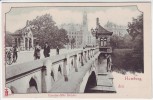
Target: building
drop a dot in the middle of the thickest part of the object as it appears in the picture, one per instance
(88, 39)
(80, 33)
(103, 38)
(116, 29)
(74, 31)
(23, 38)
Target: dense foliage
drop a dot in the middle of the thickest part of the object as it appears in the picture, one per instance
(135, 30)
(128, 53)
(121, 42)
(8, 39)
(45, 30)
(134, 38)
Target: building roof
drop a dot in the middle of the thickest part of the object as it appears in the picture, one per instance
(102, 31)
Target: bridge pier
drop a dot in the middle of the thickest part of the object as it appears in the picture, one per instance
(76, 63)
(65, 70)
(82, 59)
(46, 76)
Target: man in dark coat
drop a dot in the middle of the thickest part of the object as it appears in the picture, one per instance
(46, 50)
(37, 51)
(15, 54)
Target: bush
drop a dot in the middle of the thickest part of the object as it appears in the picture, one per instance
(126, 60)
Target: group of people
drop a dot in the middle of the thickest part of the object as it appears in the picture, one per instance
(46, 51)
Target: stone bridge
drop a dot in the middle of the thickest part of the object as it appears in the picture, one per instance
(80, 71)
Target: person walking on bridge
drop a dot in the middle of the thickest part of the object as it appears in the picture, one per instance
(46, 50)
(109, 63)
(37, 51)
(15, 54)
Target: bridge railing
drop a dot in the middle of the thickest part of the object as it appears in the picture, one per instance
(46, 71)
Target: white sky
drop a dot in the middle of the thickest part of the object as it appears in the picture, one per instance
(17, 17)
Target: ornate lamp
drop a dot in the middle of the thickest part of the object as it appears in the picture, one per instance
(94, 32)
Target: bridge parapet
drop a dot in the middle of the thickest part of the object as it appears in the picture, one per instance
(43, 74)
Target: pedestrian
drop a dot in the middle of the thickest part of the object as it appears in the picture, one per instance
(57, 50)
(109, 63)
(37, 51)
(15, 54)
(46, 50)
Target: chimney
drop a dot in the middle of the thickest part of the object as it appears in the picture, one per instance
(97, 23)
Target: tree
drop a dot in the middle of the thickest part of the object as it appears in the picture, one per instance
(120, 42)
(135, 30)
(8, 40)
(45, 30)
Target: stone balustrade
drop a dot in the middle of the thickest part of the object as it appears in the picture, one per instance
(43, 74)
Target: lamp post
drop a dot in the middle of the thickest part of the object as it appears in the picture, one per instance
(95, 34)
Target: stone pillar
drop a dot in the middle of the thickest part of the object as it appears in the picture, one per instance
(28, 43)
(76, 63)
(43, 80)
(84, 56)
(46, 77)
(82, 61)
(23, 43)
(92, 53)
(32, 45)
(88, 54)
(65, 70)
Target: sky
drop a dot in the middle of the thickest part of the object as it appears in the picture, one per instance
(17, 17)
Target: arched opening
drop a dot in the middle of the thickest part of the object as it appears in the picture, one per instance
(79, 59)
(92, 82)
(59, 72)
(13, 90)
(52, 74)
(52, 78)
(72, 65)
(72, 62)
(32, 86)
(59, 69)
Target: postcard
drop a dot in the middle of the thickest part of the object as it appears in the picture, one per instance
(76, 49)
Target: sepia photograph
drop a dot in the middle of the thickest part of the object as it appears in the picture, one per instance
(73, 49)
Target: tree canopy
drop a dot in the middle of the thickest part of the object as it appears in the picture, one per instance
(134, 38)
(135, 30)
(8, 39)
(45, 30)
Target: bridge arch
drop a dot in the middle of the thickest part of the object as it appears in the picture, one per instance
(90, 79)
(33, 85)
(91, 82)
(13, 89)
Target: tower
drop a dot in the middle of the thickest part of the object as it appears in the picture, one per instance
(85, 20)
(85, 29)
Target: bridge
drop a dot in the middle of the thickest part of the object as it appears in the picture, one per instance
(80, 71)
